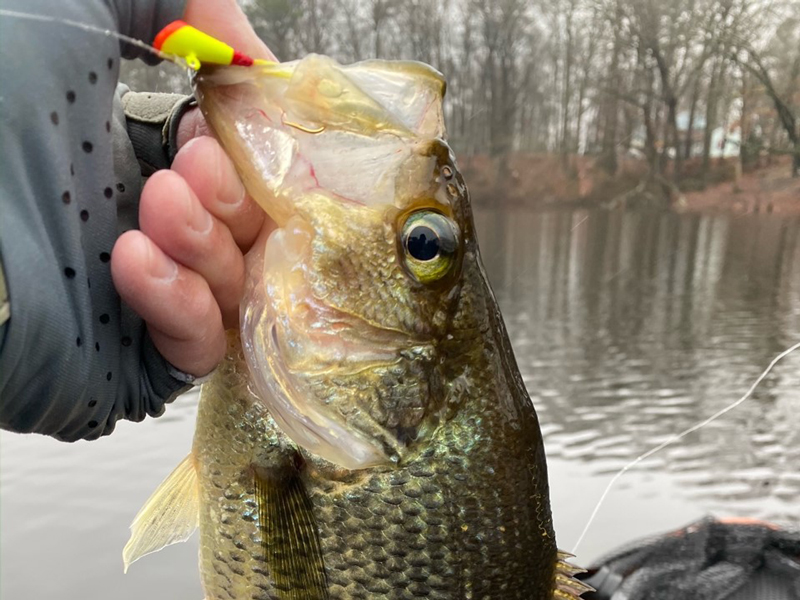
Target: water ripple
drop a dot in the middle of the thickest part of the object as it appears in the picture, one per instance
(632, 328)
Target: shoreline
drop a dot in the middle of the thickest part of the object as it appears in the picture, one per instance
(767, 190)
(540, 182)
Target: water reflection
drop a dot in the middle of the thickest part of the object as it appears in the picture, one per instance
(630, 327)
(627, 328)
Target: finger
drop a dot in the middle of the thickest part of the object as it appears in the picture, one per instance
(213, 178)
(224, 19)
(174, 219)
(192, 125)
(182, 316)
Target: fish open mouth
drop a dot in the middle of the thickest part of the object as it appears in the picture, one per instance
(316, 125)
(332, 154)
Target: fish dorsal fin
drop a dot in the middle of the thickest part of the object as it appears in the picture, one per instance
(567, 587)
(169, 516)
(289, 537)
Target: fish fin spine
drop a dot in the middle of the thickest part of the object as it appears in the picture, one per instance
(169, 516)
(566, 586)
(290, 539)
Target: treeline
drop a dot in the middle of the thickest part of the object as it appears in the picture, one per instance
(661, 81)
(610, 78)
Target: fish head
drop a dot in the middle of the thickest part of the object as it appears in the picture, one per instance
(352, 299)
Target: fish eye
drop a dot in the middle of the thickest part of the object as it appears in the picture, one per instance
(429, 242)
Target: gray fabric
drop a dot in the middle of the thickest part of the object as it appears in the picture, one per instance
(708, 560)
(73, 358)
(152, 121)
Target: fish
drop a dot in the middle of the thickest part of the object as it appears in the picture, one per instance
(368, 434)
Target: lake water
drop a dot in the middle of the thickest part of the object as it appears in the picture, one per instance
(628, 328)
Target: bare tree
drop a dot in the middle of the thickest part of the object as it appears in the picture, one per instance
(603, 77)
(276, 22)
(754, 63)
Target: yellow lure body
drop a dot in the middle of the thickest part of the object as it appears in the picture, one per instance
(197, 48)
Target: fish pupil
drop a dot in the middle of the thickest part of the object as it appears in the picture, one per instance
(423, 243)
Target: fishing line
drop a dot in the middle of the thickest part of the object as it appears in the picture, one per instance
(579, 223)
(676, 438)
(93, 29)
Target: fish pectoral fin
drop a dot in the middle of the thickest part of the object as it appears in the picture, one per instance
(289, 535)
(566, 586)
(169, 516)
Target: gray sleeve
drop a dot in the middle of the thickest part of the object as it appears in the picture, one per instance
(74, 359)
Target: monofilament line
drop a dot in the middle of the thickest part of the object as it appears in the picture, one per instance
(86, 27)
(676, 438)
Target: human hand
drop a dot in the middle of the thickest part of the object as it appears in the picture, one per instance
(183, 272)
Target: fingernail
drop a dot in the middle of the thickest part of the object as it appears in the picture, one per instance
(160, 265)
(198, 217)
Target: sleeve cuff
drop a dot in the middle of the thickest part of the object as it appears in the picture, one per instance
(152, 121)
(189, 379)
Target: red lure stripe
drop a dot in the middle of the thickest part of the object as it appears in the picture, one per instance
(166, 32)
(241, 59)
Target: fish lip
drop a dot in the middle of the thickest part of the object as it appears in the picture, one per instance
(385, 344)
(379, 119)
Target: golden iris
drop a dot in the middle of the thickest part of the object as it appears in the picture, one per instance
(430, 245)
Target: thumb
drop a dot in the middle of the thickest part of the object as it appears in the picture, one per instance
(225, 20)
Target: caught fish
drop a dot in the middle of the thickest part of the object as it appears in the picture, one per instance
(368, 434)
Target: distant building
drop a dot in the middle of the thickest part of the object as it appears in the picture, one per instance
(725, 141)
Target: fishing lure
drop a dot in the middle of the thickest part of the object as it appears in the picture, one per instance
(196, 47)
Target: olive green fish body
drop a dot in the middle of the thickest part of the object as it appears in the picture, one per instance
(468, 516)
(368, 434)
(234, 436)
(447, 525)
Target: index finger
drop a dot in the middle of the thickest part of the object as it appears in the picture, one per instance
(225, 20)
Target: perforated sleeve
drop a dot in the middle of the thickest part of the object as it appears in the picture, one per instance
(74, 359)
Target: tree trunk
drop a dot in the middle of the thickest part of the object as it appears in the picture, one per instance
(687, 154)
(785, 114)
(711, 117)
(744, 129)
(671, 100)
(796, 160)
(611, 120)
(566, 96)
(651, 152)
